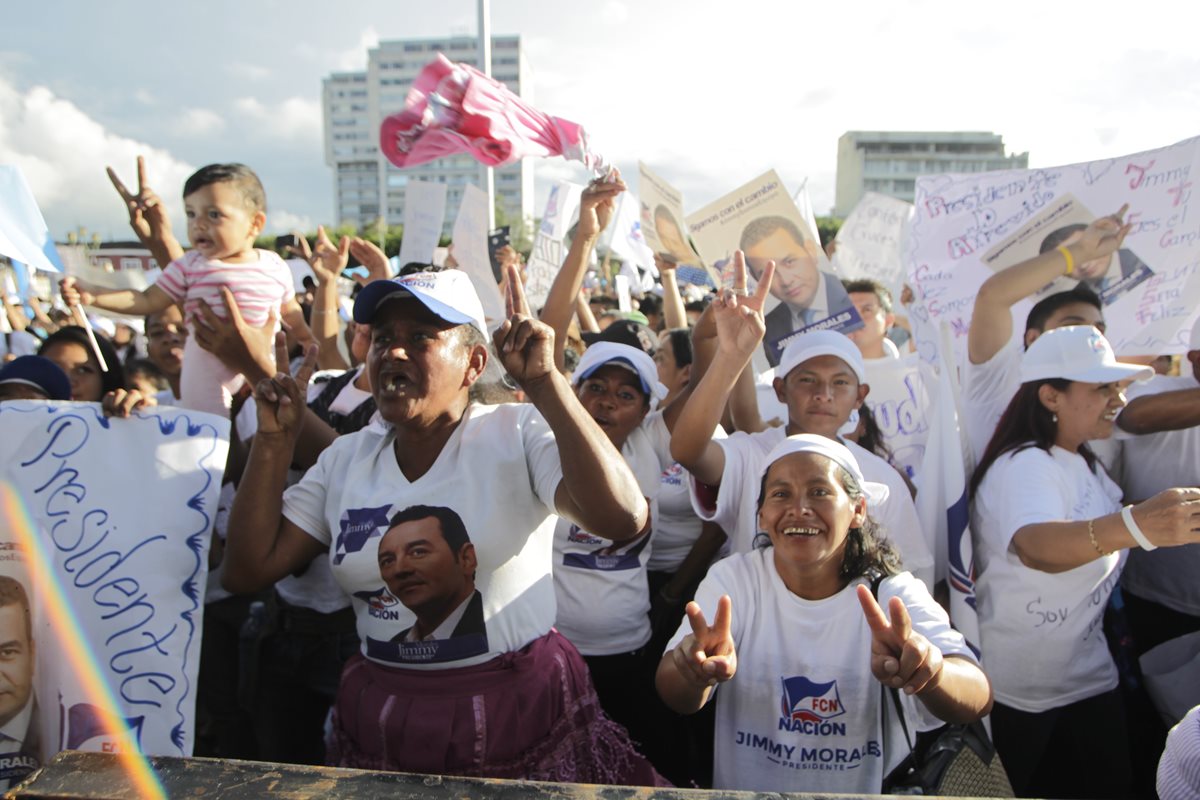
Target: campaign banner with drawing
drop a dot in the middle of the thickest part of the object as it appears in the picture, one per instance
(470, 242)
(762, 221)
(122, 513)
(549, 248)
(869, 243)
(661, 209)
(899, 401)
(967, 225)
(424, 212)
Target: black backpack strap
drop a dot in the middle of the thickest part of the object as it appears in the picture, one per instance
(876, 581)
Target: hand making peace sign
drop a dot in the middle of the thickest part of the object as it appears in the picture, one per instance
(707, 655)
(900, 657)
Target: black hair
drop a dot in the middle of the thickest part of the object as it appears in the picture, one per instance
(698, 305)
(453, 529)
(12, 593)
(867, 285)
(1059, 236)
(872, 437)
(763, 227)
(413, 267)
(147, 369)
(650, 304)
(867, 550)
(680, 340)
(73, 334)
(1045, 308)
(239, 175)
(1025, 423)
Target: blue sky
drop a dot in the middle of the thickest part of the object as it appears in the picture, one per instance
(710, 94)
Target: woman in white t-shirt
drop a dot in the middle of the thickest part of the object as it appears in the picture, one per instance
(1050, 536)
(799, 645)
(437, 522)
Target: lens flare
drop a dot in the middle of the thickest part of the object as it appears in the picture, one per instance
(53, 602)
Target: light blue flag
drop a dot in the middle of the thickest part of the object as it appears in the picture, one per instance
(23, 232)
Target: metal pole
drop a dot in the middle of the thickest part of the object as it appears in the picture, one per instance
(485, 66)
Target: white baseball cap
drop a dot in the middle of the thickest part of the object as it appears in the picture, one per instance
(622, 355)
(821, 343)
(1077, 353)
(835, 451)
(449, 294)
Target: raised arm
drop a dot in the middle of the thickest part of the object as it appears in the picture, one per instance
(740, 329)
(150, 300)
(991, 320)
(1156, 413)
(597, 492)
(595, 209)
(1168, 519)
(327, 263)
(707, 656)
(262, 545)
(953, 688)
(148, 216)
(674, 313)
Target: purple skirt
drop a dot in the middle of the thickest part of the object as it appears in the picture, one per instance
(528, 715)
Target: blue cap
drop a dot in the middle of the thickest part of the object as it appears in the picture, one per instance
(40, 373)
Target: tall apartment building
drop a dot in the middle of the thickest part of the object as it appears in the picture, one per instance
(366, 186)
(888, 162)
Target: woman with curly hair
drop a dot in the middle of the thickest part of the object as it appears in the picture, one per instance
(801, 642)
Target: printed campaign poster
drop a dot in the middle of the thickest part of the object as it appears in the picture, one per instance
(424, 212)
(869, 243)
(762, 221)
(549, 245)
(1063, 223)
(661, 208)
(965, 223)
(120, 512)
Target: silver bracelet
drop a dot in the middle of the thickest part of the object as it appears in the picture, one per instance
(1134, 531)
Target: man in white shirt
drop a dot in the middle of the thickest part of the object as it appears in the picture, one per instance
(18, 739)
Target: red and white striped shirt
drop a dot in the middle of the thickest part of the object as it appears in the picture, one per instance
(258, 287)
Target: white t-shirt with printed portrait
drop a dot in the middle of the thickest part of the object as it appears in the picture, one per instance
(802, 712)
(1041, 633)
(499, 472)
(603, 599)
(737, 500)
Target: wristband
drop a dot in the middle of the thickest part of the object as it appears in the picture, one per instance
(1134, 531)
(1066, 253)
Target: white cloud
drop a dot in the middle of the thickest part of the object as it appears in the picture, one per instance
(242, 69)
(355, 58)
(615, 13)
(281, 221)
(294, 119)
(63, 152)
(198, 122)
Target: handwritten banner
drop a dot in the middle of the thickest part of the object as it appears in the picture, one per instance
(424, 212)
(549, 249)
(761, 219)
(123, 511)
(961, 220)
(471, 250)
(870, 240)
(899, 401)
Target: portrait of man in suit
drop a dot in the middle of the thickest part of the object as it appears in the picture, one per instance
(807, 294)
(1109, 277)
(18, 718)
(428, 563)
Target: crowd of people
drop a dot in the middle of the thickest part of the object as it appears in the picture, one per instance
(577, 544)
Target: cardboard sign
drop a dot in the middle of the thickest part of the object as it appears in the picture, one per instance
(869, 243)
(661, 211)
(424, 213)
(549, 248)
(471, 250)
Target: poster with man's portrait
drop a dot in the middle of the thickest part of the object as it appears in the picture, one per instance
(762, 221)
(661, 210)
(1062, 223)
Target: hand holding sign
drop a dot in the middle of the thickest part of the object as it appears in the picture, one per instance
(597, 204)
(707, 656)
(901, 658)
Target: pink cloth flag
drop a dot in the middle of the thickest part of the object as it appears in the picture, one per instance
(453, 108)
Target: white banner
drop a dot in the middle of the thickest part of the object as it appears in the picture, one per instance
(548, 252)
(470, 242)
(899, 401)
(869, 241)
(424, 212)
(965, 226)
(122, 512)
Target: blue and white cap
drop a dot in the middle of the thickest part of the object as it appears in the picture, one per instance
(449, 294)
(631, 358)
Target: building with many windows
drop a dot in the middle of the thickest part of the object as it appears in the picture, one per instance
(366, 186)
(888, 162)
